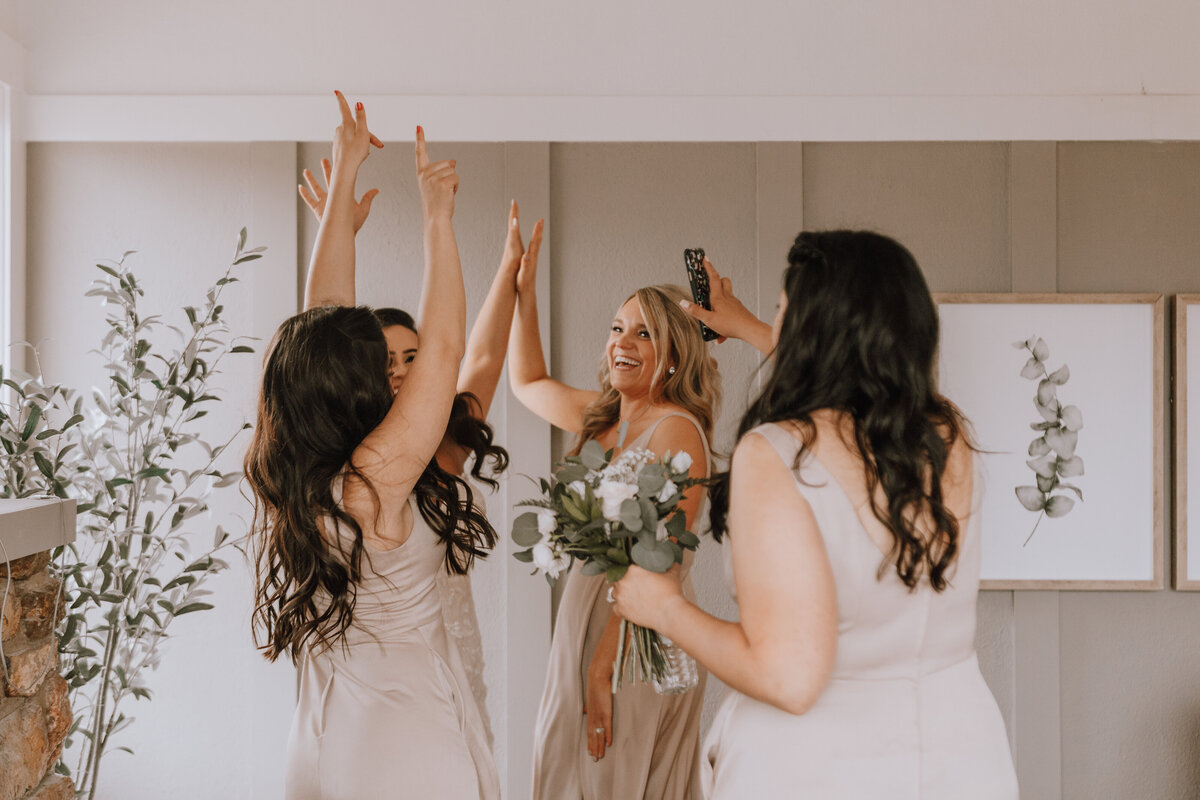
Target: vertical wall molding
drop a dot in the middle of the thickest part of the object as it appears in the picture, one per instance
(779, 215)
(527, 438)
(1033, 239)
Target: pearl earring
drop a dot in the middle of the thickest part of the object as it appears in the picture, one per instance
(671, 370)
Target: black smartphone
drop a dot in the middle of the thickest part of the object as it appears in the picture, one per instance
(693, 259)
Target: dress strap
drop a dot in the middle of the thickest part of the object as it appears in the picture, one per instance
(646, 435)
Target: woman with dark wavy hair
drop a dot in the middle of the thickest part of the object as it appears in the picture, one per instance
(468, 435)
(354, 519)
(850, 515)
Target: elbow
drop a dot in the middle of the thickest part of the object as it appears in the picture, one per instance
(798, 699)
(797, 685)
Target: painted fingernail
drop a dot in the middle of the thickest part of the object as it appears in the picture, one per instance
(358, 106)
(420, 131)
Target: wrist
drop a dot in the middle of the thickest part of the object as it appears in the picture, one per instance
(668, 614)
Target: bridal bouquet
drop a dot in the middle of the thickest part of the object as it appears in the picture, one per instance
(610, 513)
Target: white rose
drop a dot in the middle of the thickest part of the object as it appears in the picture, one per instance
(543, 556)
(612, 494)
(579, 488)
(660, 533)
(547, 521)
(561, 562)
(668, 491)
(682, 461)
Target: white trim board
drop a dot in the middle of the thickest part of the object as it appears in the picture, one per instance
(229, 118)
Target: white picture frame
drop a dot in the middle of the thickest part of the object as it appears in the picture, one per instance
(1078, 503)
(1187, 446)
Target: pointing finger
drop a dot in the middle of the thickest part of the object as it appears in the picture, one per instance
(421, 152)
(375, 140)
(344, 107)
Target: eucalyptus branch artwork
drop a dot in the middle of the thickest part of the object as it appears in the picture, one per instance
(1052, 453)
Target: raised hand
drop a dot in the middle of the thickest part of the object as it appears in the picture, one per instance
(437, 180)
(728, 316)
(527, 271)
(352, 140)
(315, 194)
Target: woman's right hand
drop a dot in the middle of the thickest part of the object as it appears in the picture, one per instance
(599, 708)
(728, 316)
(437, 180)
(352, 140)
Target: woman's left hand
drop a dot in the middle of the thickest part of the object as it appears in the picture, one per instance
(644, 597)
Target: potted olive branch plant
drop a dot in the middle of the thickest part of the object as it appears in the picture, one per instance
(142, 476)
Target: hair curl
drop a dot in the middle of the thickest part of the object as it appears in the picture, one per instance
(860, 336)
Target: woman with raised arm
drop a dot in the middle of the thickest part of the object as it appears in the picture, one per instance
(850, 510)
(351, 525)
(467, 434)
(659, 389)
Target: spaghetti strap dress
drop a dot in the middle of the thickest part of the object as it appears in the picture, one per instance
(906, 714)
(389, 712)
(656, 737)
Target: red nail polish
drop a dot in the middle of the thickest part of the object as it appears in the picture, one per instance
(359, 106)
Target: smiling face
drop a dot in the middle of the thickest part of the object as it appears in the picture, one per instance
(402, 347)
(630, 351)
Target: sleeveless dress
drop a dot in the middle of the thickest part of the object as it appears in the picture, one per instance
(655, 737)
(906, 714)
(390, 713)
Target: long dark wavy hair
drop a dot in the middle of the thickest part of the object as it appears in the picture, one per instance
(860, 335)
(324, 388)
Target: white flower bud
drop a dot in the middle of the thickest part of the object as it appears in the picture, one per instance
(547, 521)
(543, 556)
(682, 461)
(669, 490)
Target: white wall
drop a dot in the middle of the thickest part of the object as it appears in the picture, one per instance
(625, 47)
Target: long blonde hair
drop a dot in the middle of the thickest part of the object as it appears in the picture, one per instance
(696, 384)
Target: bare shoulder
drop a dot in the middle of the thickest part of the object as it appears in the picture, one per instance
(676, 433)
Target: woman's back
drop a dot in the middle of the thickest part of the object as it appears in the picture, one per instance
(906, 713)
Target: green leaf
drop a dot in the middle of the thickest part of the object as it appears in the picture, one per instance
(688, 540)
(43, 465)
(571, 473)
(241, 348)
(649, 513)
(651, 480)
(524, 556)
(617, 555)
(525, 529)
(616, 572)
(35, 414)
(573, 509)
(593, 568)
(190, 607)
(675, 526)
(1059, 505)
(1031, 498)
(631, 515)
(652, 555)
(592, 455)
(152, 472)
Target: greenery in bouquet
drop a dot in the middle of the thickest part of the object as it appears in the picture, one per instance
(609, 513)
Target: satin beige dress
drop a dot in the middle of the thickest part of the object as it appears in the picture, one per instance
(656, 737)
(391, 713)
(906, 714)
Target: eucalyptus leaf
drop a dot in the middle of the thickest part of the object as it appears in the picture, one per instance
(1059, 505)
(1039, 447)
(631, 516)
(525, 529)
(1063, 442)
(1033, 369)
(571, 473)
(654, 556)
(1041, 350)
(592, 568)
(1072, 418)
(1047, 396)
(1046, 485)
(1031, 497)
(592, 455)
(1044, 466)
(1071, 467)
(1060, 375)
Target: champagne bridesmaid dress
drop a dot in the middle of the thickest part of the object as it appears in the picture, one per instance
(389, 712)
(655, 737)
(906, 714)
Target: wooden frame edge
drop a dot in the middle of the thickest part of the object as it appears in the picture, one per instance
(1181, 582)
